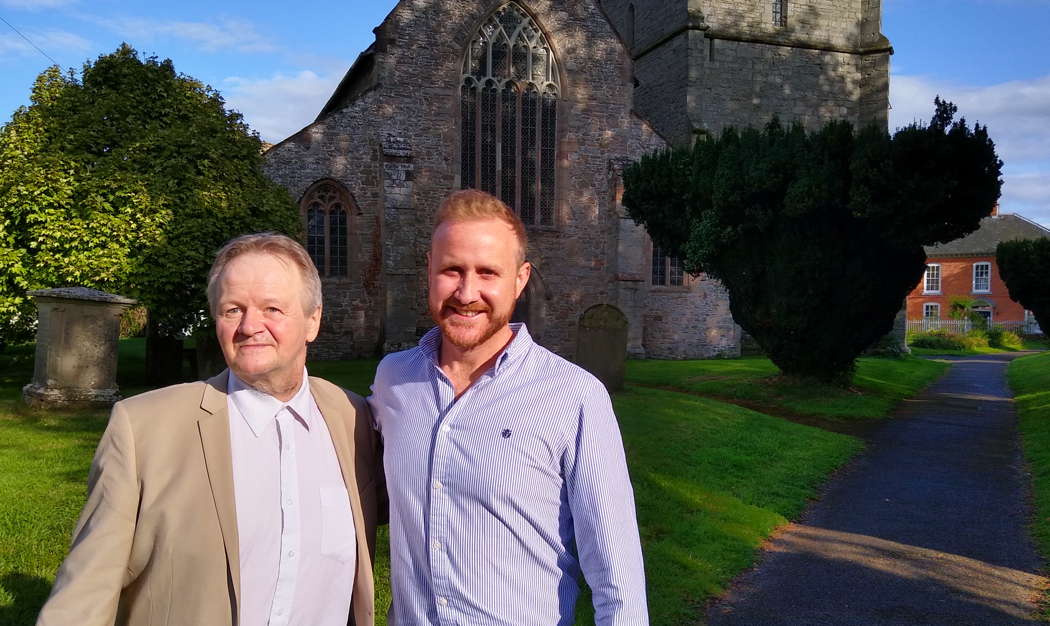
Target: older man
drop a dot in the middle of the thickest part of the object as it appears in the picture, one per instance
(246, 499)
(504, 462)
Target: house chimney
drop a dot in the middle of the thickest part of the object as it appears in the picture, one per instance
(995, 209)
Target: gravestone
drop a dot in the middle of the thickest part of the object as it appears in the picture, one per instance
(76, 348)
(601, 344)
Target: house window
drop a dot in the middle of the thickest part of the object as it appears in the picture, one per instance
(982, 277)
(932, 280)
(325, 209)
(780, 13)
(509, 115)
(667, 270)
(931, 311)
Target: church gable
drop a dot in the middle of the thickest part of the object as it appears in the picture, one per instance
(531, 100)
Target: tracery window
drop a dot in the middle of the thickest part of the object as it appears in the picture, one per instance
(326, 212)
(780, 13)
(509, 115)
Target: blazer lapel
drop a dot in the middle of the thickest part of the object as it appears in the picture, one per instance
(214, 428)
(342, 430)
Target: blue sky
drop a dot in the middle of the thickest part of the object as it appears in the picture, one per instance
(277, 63)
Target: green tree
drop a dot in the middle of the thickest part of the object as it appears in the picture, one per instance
(127, 178)
(1024, 266)
(817, 236)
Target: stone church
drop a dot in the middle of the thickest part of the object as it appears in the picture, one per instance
(542, 103)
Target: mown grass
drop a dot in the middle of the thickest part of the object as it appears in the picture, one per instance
(878, 384)
(712, 479)
(1029, 379)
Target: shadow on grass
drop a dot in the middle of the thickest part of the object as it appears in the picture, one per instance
(29, 593)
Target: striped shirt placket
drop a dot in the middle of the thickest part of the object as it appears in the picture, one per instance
(284, 593)
(441, 499)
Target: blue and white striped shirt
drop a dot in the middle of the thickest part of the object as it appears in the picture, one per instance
(501, 499)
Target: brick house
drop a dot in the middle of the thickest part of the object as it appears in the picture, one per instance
(542, 102)
(967, 268)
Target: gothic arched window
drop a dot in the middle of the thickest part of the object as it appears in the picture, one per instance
(509, 115)
(326, 211)
(780, 13)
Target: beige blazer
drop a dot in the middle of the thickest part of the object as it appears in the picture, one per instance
(156, 543)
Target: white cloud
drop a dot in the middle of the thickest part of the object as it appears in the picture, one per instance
(280, 105)
(1029, 195)
(1017, 114)
(222, 34)
(57, 43)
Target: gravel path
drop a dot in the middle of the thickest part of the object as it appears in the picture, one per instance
(925, 527)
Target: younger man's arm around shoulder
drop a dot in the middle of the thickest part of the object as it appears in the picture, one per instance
(602, 502)
(88, 584)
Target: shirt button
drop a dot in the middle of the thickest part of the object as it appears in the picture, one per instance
(289, 501)
(446, 428)
(443, 601)
(437, 544)
(279, 611)
(437, 484)
(291, 554)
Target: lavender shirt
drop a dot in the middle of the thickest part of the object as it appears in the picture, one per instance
(295, 527)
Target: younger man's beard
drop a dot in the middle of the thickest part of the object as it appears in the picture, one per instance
(456, 334)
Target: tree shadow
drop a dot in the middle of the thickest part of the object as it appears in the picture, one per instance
(29, 592)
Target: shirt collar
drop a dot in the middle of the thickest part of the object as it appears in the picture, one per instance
(259, 409)
(430, 344)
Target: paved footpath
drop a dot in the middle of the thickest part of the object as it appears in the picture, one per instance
(925, 527)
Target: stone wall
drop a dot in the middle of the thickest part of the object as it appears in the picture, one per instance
(703, 65)
(745, 84)
(343, 150)
(682, 322)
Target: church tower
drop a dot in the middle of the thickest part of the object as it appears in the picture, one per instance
(702, 65)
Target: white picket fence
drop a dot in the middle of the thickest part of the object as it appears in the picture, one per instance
(1028, 327)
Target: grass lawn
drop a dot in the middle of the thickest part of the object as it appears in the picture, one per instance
(878, 384)
(712, 479)
(1030, 380)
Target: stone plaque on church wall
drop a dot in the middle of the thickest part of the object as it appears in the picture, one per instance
(76, 348)
(601, 344)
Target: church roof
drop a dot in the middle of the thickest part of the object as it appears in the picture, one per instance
(362, 75)
(357, 80)
(993, 229)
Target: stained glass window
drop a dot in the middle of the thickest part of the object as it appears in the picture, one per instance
(326, 211)
(780, 13)
(468, 121)
(659, 266)
(509, 115)
(315, 244)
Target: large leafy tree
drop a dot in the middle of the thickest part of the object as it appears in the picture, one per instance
(817, 236)
(127, 178)
(1025, 268)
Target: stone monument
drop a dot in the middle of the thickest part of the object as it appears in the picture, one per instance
(76, 348)
(601, 344)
